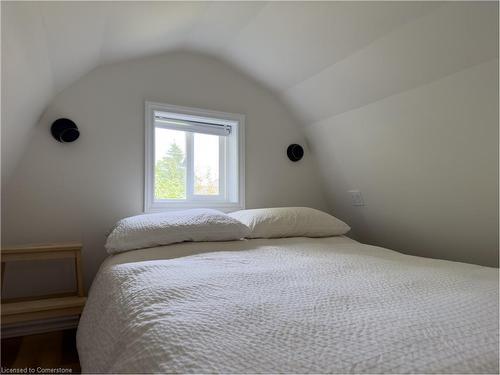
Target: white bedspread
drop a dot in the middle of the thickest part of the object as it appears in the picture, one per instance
(296, 305)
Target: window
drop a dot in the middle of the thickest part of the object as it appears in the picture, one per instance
(194, 158)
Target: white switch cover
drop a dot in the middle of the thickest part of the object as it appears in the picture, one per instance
(356, 198)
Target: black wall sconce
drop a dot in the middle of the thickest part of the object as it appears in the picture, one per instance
(64, 130)
(295, 152)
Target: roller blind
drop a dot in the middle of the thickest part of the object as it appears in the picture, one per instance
(187, 125)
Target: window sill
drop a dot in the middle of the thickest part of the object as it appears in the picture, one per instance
(177, 206)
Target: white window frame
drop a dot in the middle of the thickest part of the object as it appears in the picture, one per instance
(231, 177)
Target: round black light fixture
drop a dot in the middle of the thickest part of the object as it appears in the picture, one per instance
(295, 152)
(64, 130)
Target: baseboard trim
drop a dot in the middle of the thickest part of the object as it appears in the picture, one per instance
(39, 326)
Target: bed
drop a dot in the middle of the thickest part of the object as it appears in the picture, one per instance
(288, 305)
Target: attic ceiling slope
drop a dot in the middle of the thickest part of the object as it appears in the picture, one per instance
(313, 54)
(288, 42)
(450, 39)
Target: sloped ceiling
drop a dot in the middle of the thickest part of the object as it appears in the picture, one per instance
(321, 57)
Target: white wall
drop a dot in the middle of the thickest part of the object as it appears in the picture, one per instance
(426, 161)
(26, 78)
(78, 191)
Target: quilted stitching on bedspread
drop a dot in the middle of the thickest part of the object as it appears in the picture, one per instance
(304, 308)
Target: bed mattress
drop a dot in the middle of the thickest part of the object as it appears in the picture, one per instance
(294, 305)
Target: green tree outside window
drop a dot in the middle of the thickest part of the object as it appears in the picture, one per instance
(170, 174)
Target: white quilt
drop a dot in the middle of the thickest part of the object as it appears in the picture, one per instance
(295, 305)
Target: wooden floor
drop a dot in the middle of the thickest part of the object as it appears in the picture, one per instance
(46, 350)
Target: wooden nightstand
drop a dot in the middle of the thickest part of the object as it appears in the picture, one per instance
(46, 307)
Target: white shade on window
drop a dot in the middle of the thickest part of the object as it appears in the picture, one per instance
(163, 119)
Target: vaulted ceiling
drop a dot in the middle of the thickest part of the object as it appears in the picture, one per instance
(323, 58)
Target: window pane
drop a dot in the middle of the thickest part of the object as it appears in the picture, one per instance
(170, 164)
(206, 164)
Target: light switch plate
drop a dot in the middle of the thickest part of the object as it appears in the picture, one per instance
(356, 198)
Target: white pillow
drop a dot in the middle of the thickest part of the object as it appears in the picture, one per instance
(151, 230)
(290, 222)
